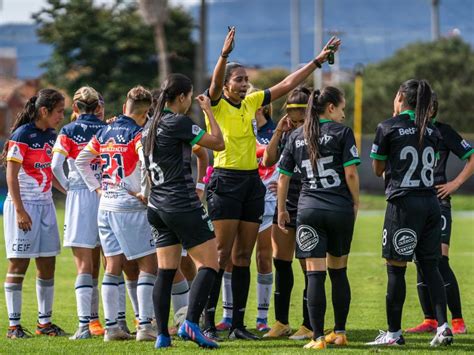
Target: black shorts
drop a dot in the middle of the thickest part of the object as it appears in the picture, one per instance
(446, 221)
(186, 228)
(412, 227)
(323, 231)
(236, 194)
(292, 209)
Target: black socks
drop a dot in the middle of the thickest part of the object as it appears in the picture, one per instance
(210, 314)
(316, 301)
(199, 294)
(341, 297)
(283, 286)
(395, 298)
(162, 299)
(240, 293)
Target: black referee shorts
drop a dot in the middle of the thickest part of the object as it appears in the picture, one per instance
(323, 231)
(186, 228)
(412, 227)
(236, 194)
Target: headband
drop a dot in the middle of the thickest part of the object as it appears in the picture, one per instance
(296, 105)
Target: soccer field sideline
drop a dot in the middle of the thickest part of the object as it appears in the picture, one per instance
(366, 273)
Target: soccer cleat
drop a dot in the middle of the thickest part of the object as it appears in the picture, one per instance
(224, 324)
(122, 324)
(302, 333)
(96, 328)
(318, 344)
(116, 333)
(427, 326)
(18, 332)
(49, 329)
(191, 331)
(211, 333)
(458, 326)
(262, 325)
(384, 339)
(82, 332)
(243, 334)
(146, 332)
(162, 341)
(443, 338)
(278, 330)
(336, 338)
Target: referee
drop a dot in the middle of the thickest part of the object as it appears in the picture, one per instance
(235, 192)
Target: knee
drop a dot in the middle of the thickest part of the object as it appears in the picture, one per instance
(264, 263)
(241, 258)
(223, 257)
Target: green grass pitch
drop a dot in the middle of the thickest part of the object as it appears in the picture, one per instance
(366, 274)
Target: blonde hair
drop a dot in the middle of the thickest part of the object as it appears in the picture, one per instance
(86, 99)
(139, 100)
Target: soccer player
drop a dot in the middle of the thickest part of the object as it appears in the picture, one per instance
(324, 151)
(123, 227)
(80, 226)
(284, 244)
(175, 211)
(404, 151)
(30, 225)
(235, 192)
(451, 142)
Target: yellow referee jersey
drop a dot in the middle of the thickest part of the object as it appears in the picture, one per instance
(239, 128)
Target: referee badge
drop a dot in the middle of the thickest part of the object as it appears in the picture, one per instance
(254, 127)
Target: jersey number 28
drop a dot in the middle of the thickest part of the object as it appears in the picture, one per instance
(428, 160)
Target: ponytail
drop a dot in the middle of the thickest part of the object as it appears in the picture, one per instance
(48, 98)
(311, 127)
(418, 97)
(172, 87)
(318, 101)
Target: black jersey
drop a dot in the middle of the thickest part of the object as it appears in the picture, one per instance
(409, 167)
(324, 187)
(451, 142)
(169, 165)
(295, 183)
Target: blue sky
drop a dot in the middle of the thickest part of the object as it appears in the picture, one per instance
(19, 11)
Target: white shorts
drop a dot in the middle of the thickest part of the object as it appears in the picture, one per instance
(127, 233)
(267, 219)
(80, 222)
(41, 241)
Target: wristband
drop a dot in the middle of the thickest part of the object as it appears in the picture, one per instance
(317, 63)
(224, 56)
(200, 186)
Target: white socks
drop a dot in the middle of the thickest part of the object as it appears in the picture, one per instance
(13, 293)
(264, 294)
(227, 301)
(180, 295)
(45, 296)
(83, 289)
(145, 297)
(110, 299)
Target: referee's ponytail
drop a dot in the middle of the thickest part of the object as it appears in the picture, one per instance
(47, 98)
(317, 105)
(417, 95)
(174, 85)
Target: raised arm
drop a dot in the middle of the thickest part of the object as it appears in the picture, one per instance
(270, 156)
(217, 82)
(214, 139)
(297, 77)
